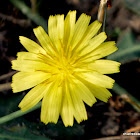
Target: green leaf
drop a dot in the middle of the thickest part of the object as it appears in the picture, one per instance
(19, 133)
(133, 5)
(9, 103)
(128, 49)
(56, 131)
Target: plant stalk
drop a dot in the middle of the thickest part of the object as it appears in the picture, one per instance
(17, 114)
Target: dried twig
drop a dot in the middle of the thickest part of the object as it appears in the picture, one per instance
(101, 11)
(33, 6)
(35, 17)
(129, 100)
(5, 76)
(118, 138)
(6, 86)
(128, 97)
(20, 22)
(134, 129)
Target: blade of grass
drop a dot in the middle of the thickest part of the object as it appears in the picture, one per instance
(35, 17)
(129, 98)
(17, 114)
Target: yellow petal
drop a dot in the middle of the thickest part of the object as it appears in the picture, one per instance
(74, 95)
(33, 96)
(67, 108)
(60, 26)
(84, 93)
(100, 93)
(93, 43)
(56, 30)
(25, 80)
(104, 66)
(44, 39)
(69, 26)
(31, 46)
(80, 113)
(80, 28)
(51, 104)
(97, 79)
(27, 56)
(29, 66)
(52, 28)
(35, 57)
(59, 32)
(101, 51)
(90, 32)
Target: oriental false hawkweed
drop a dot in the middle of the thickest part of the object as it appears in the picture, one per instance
(65, 70)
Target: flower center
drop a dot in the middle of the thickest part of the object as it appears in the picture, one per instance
(64, 66)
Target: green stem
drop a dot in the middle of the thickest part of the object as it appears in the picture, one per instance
(35, 17)
(105, 15)
(17, 114)
(121, 91)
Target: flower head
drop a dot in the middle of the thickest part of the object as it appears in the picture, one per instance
(66, 70)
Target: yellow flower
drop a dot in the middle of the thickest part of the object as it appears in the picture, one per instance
(66, 70)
